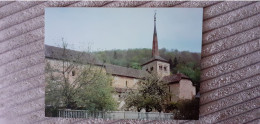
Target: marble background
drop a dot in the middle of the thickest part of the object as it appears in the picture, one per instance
(230, 61)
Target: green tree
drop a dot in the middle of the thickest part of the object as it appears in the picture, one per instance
(136, 65)
(89, 82)
(115, 55)
(151, 94)
(97, 96)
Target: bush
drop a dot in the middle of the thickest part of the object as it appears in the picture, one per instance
(187, 110)
(51, 111)
(171, 107)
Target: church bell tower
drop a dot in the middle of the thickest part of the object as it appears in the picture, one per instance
(156, 65)
(155, 51)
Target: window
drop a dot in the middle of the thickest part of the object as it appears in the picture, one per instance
(73, 73)
(126, 83)
(151, 68)
(165, 68)
(169, 89)
(147, 69)
(160, 67)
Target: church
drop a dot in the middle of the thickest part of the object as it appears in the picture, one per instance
(180, 86)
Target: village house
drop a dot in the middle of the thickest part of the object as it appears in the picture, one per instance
(180, 86)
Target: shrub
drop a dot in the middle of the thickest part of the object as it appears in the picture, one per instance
(187, 110)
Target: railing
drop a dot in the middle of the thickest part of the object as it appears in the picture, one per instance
(115, 115)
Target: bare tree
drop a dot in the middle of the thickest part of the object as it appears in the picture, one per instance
(68, 78)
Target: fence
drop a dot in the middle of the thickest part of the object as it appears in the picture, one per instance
(115, 115)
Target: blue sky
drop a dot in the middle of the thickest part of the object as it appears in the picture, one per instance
(124, 28)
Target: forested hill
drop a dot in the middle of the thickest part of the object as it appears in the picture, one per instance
(133, 58)
(185, 62)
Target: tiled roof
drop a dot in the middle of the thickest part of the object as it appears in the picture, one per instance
(72, 55)
(158, 58)
(124, 71)
(174, 78)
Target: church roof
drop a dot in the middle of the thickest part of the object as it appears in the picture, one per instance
(86, 58)
(174, 78)
(124, 71)
(155, 58)
(72, 55)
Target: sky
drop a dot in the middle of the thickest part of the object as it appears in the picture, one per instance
(98, 29)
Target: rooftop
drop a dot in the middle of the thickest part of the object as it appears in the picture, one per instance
(155, 58)
(87, 58)
(174, 78)
(124, 71)
(71, 55)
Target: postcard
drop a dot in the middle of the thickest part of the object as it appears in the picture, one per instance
(123, 63)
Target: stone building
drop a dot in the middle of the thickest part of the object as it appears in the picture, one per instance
(180, 86)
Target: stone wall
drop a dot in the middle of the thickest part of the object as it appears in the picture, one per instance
(187, 90)
(156, 68)
(175, 91)
(57, 65)
(124, 82)
(164, 70)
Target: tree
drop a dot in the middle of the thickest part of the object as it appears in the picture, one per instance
(72, 83)
(151, 94)
(173, 65)
(175, 62)
(97, 95)
(115, 55)
(136, 65)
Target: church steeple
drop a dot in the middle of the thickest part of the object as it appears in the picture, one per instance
(155, 51)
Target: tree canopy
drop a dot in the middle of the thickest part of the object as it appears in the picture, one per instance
(151, 94)
(70, 84)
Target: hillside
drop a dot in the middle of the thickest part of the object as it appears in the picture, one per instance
(185, 62)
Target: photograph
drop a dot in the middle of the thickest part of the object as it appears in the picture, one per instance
(123, 63)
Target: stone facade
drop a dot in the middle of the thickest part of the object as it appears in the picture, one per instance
(182, 90)
(187, 90)
(124, 82)
(158, 67)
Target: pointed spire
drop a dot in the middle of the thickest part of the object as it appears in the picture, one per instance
(155, 51)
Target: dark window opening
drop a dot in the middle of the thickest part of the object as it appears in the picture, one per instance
(147, 69)
(73, 73)
(126, 83)
(169, 89)
(119, 95)
(160, 67)
(165, 68)
(151, 68)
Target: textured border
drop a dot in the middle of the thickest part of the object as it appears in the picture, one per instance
(230, 60)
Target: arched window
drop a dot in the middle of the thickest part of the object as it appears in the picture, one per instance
(160, 67)
(73, 73)
(165, 68)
